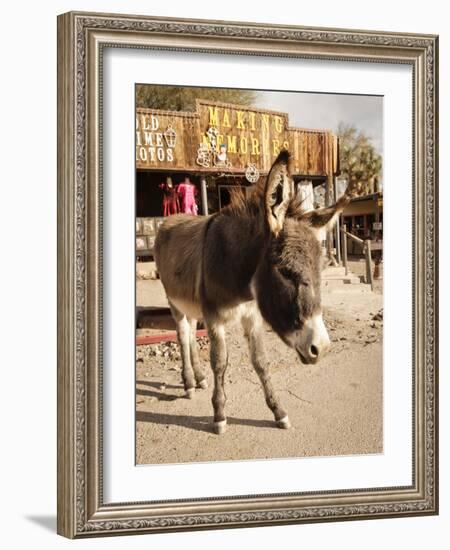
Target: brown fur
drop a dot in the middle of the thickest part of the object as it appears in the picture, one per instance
(258, 258)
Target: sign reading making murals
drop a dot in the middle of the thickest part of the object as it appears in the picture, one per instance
(220, 137)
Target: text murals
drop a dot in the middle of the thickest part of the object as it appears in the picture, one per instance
(150, 143)
(247, 122)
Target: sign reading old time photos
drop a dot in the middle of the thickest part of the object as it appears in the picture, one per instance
(259, 274)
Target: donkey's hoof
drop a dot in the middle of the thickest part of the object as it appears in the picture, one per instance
(220, 427)
(284, 423)
(203, 384)
(190, 393)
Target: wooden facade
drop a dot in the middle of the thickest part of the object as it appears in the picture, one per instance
(225, 138)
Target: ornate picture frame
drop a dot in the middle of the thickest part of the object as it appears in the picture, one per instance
(82, 38)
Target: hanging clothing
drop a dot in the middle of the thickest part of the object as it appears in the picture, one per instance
(171, 204)
(187, 193)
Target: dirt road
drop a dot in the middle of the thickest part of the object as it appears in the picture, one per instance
(335, 407)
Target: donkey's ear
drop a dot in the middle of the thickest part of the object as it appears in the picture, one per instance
(323, 219)
(278, 192)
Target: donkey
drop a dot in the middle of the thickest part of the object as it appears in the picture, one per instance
(258, 259)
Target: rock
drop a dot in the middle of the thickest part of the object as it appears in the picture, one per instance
(378, 316)
(143, 275)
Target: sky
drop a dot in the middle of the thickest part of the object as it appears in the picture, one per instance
(326, 111)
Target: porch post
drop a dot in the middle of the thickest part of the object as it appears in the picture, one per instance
(328, 202)
(337, 228)
(204, 195)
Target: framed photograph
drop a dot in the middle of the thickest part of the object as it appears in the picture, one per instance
(247, 283)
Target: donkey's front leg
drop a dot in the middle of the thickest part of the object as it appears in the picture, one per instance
(195, 361)
(219, 361)
(184, 339)
(253, 328)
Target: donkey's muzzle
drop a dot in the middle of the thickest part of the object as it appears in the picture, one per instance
(312, 356)
(313, 340)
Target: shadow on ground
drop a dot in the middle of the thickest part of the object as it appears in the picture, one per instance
(198, 423)
(46, 522)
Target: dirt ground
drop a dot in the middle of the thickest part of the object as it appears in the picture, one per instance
(335, 407)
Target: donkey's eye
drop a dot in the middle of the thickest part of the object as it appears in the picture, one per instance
(288, 274)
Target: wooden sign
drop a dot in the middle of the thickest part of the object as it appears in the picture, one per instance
(220, 137)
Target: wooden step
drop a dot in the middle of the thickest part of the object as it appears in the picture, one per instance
(342, 288)
(346, 279)
(332, 271)
(334, 279)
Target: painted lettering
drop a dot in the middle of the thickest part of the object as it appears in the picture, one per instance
(232, 144)
(148, 138)
(213, 116)
(255, 146)
(240, 120)
(278, 124)
(275, 147)
(226, 119)
(143, 154)
(150, 123)
(160, 154)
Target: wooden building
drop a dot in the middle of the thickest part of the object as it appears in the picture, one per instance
(219, 146)
(363, 217)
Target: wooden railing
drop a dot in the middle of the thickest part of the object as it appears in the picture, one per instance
(367, 250)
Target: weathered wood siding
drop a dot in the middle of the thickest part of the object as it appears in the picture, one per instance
(251, 136)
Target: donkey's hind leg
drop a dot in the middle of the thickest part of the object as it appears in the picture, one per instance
(253, 329)
(184, 339)
(195, 362)
(219, 361)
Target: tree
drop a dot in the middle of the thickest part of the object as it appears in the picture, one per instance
(359, 161)
(180, 98)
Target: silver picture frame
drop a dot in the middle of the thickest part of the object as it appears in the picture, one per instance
(82, 37)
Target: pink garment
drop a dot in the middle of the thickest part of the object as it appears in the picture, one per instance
(187, 193)
(170, 199)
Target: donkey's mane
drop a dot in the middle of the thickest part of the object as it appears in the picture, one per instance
(251, 206)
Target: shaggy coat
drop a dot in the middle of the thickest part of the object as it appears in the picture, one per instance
(258, 259)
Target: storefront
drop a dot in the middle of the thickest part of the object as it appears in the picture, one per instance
(189, 161)
(363, 217)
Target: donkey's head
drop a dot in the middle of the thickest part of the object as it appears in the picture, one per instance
(288, 279)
